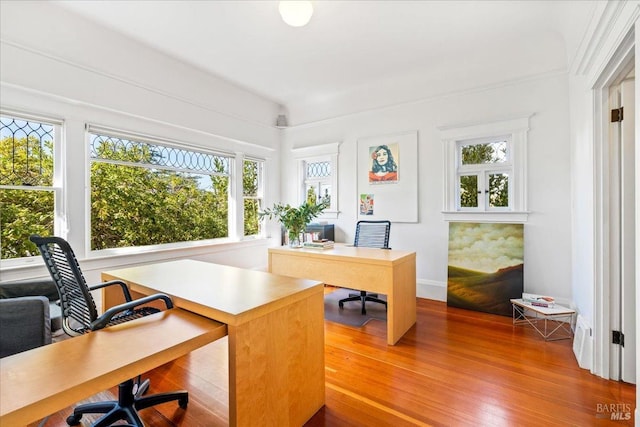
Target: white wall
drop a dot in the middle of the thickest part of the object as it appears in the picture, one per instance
(548, 230)
(59, 66)
(582, 198)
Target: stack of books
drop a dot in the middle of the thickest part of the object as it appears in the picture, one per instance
(538, 300)
(319, 244)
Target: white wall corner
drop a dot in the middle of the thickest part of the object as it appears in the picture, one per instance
(431, 289)
(583, 343)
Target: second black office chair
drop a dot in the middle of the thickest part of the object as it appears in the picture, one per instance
(371, 234)
(79, 316)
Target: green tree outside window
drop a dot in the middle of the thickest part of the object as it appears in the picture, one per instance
(27, 163)
(135, 205)
(498, 190)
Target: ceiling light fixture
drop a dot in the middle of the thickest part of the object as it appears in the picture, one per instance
(296, 13)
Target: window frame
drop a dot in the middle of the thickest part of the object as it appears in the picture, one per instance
(319, 153)
(454, 138)
(483, 171)
(169, 143)
(58, 179)
(260, 194)
(319, 182)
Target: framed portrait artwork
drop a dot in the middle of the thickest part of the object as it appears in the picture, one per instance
(385, 164)
(388, 173)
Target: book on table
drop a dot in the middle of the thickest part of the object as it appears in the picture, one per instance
(538, 300)
(318, 244)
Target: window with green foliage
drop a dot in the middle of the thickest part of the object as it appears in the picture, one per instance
(483, 174)
(145, 192)
(485, 171)
(318, 176)
(252, 190)
(318, 181)
(28, 191)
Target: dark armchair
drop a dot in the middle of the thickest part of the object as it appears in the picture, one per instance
(32, 288)
(24, 324)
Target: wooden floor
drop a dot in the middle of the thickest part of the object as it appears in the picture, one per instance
(454, 368)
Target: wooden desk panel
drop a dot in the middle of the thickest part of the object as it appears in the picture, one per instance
(277, 361)
(388, 272)
(276, 333)
(44, 380)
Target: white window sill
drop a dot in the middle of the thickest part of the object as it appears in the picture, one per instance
(497, 216)
(111, 258)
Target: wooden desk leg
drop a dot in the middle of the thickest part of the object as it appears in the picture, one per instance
(401, 314)
(276, 365)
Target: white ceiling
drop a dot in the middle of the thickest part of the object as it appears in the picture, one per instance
(353, 55)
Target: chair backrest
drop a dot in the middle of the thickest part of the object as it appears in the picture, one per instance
(77, 304)
(372, 234)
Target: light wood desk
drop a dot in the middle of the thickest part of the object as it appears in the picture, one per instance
(42, 381)
(275, 326)
(389, 272)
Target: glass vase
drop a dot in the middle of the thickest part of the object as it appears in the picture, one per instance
(295, 240)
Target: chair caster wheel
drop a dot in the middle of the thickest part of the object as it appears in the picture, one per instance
(183, 402)
(73, 419)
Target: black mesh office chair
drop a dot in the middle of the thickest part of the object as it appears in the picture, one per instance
(80, 316)
(371, 234)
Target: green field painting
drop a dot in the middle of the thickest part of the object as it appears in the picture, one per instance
(485, 266)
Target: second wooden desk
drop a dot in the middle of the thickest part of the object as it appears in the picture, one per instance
(389, 272)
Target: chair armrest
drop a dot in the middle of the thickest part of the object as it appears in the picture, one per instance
(24, 324)
(106, 317)
(125, 288)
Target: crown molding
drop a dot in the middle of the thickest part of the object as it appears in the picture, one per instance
(610, 23)
(435, 97)
(131, 82)
(70, 101)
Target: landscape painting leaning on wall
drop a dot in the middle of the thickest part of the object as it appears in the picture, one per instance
(486, 266)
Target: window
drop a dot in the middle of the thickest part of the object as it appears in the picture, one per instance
(252, 179)
(317, 180)
(485, 171)
(318, 175)
(30, 188)
(148, 192)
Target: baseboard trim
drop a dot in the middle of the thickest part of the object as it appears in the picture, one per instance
(583, 343)
(431, 289)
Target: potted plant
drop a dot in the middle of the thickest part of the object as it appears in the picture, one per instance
(294, 220)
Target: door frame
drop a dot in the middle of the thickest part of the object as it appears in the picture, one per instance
(622, 239)
(622, 62)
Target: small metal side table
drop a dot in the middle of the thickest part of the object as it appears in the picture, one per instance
(553, 323)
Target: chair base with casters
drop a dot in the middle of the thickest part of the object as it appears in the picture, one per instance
(370, 234)
(362, 296)
(126, 407)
